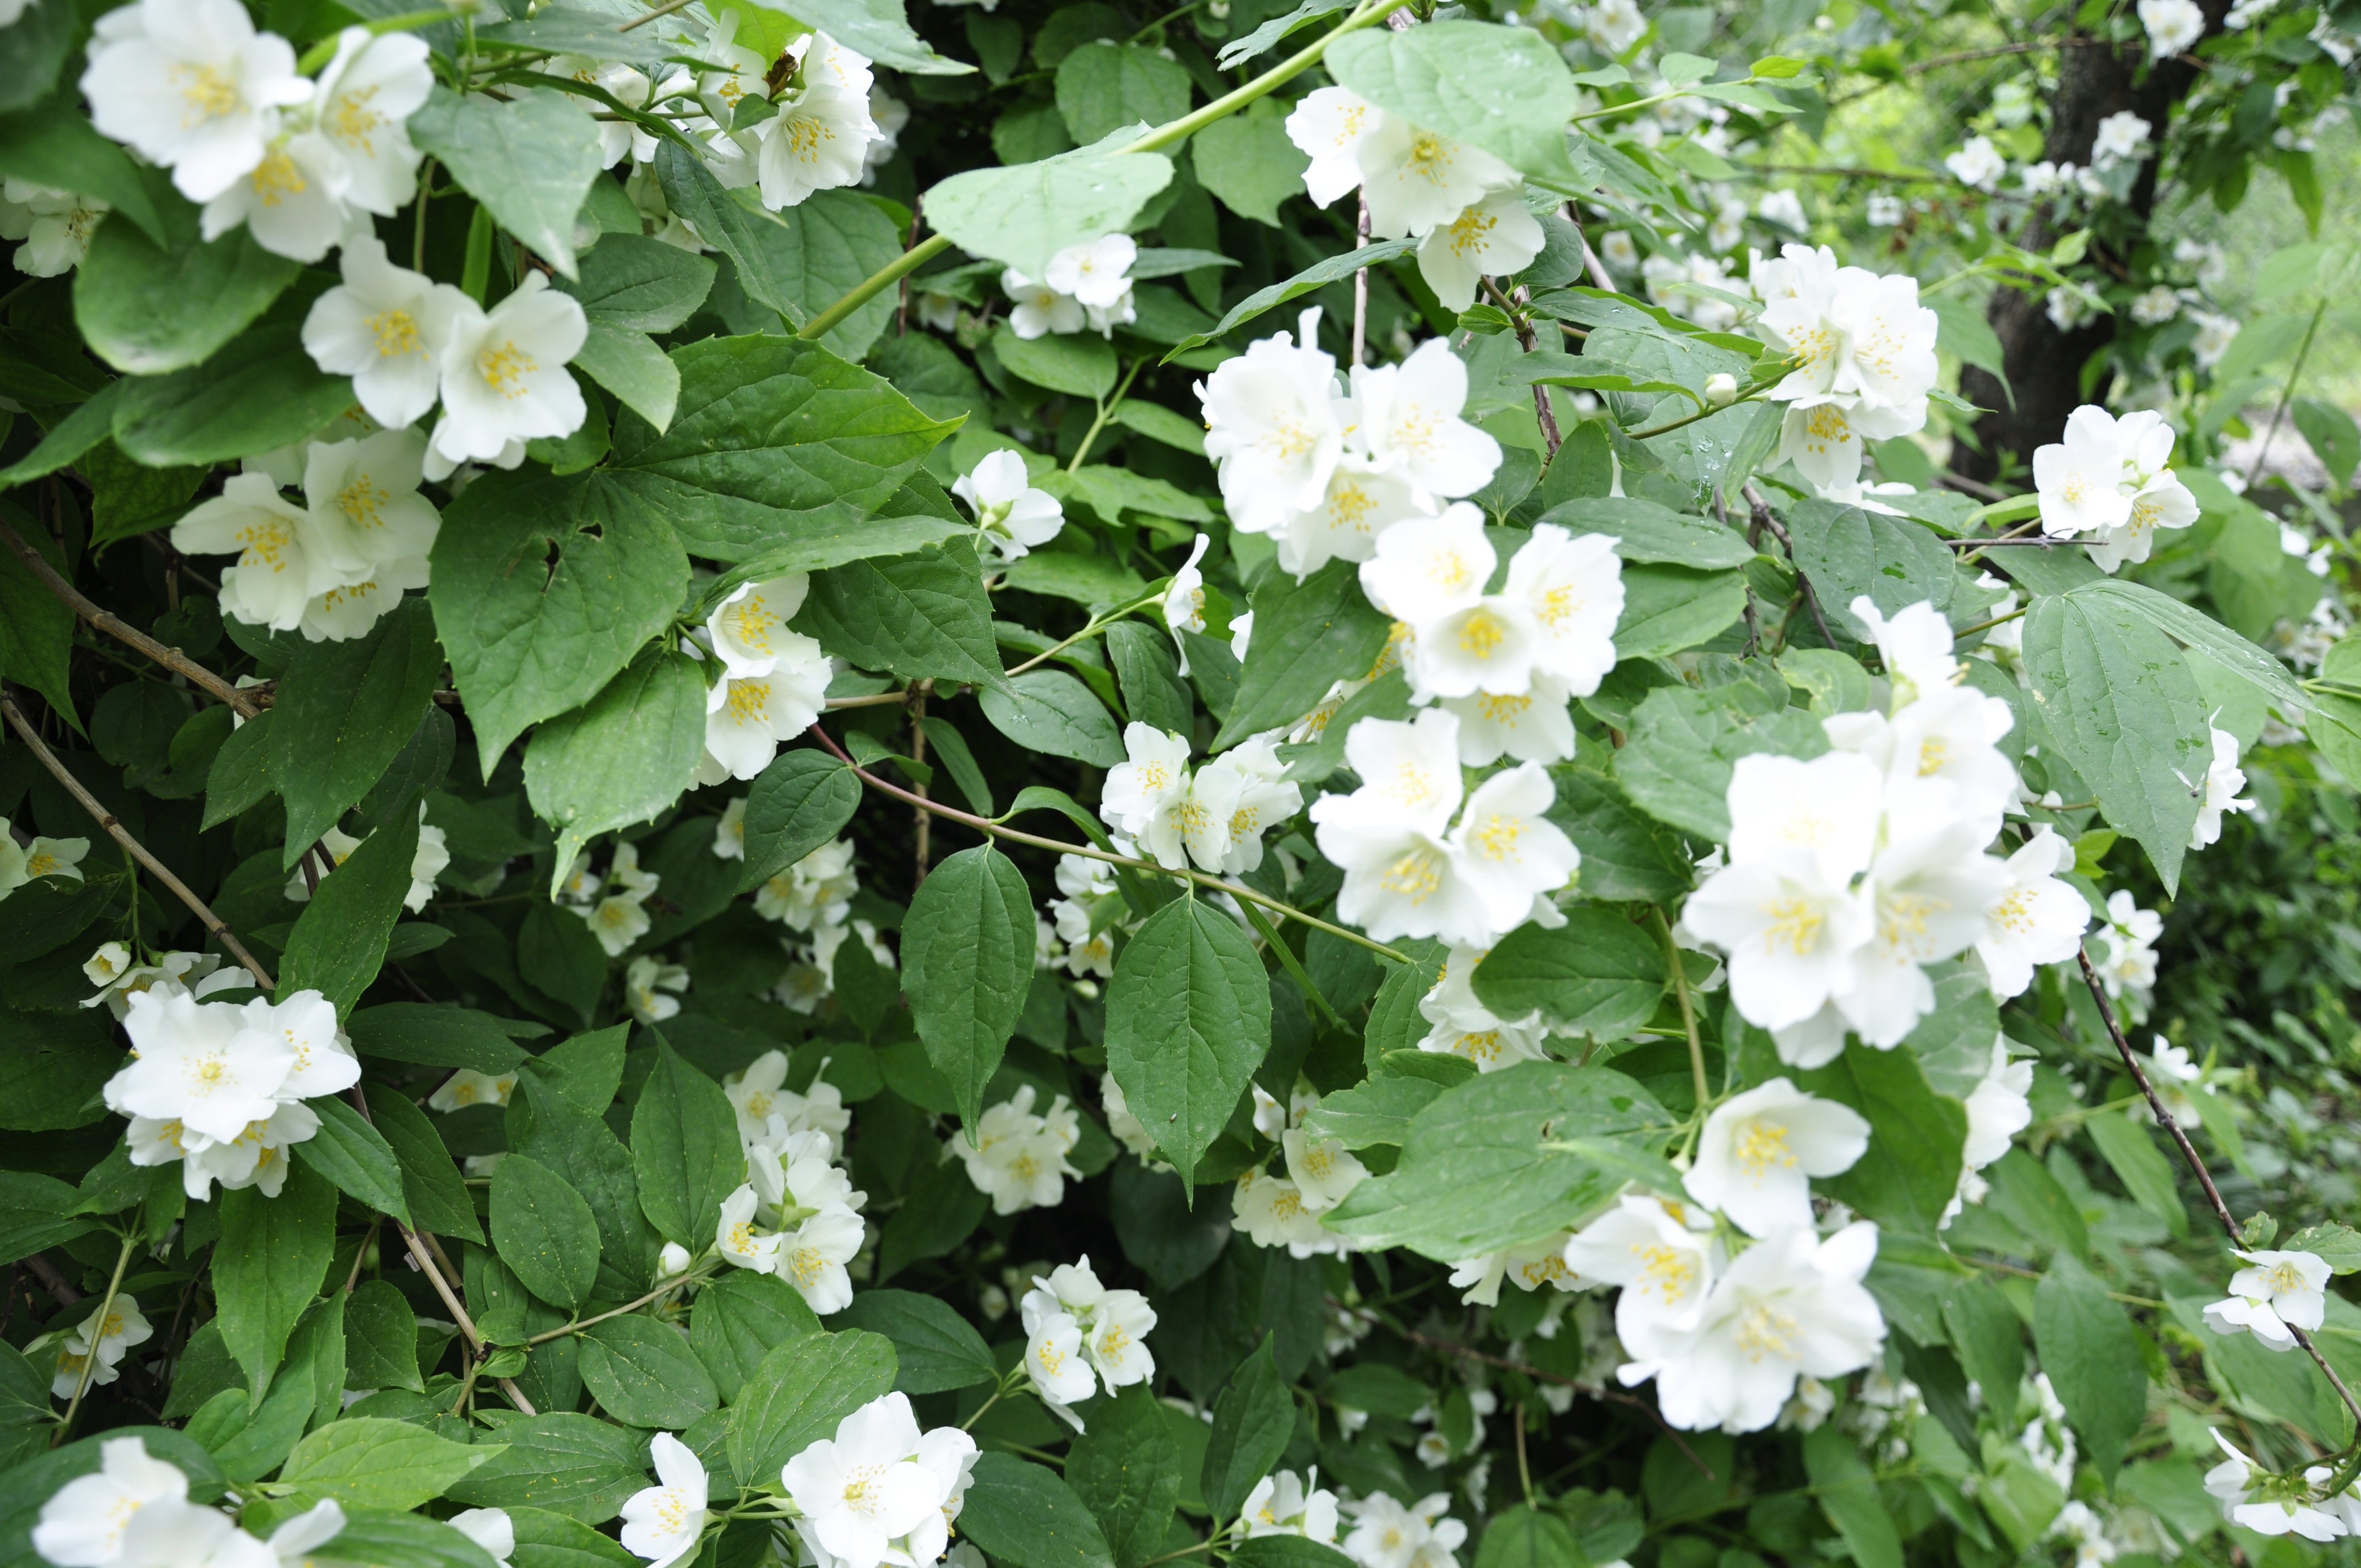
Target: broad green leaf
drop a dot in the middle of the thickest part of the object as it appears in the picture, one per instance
(25, 1409)
(1668, 609)
(1110, 492)
(369, 1461)
(1645, 532)
(1249, 162)
(240, 775)
(1846, 552)
(1318, 275)
(801, 801)
(1049, 711)
(781, 451)
(53, 146)
(545, 1231)
(1307, 637)
(643, 1374)
(381, 1339)
(629, 365)
(37, 628)
(800, 1391)
(1376, 1111)
(557, 955)
(2090, 1351)
(574, 1137)
(738, 1318)
(546, 1539)
(1846, 1488)
(148, 308)
(1150, 676)
(1253, 1419)
(529, 161)
(623, 757)
(570, 1464)
(354, 1155)
(1160, 423)
(1075, 363)
(2028, 1197)
(261, 391)
(934, 1349)
(1126, 1470)
(339, 940)
(1986, 1331)
(1507, 1157)
(634, 283)
(1524, 1537)
(1287, 1551)
(1104, 87)
(51, 1076)
(35, 1214)
(1911, 1170)
(1088, 580)
(2146, 1174)
(344, 712)
(878, 30)
(384, 1539)
(531, 637)
(919, 615)
(1026, 215)
(1188, 1021)
(1598, 974)
(270, 1260)
(2118, 700)
(1625, 856)
(1504, 89)
(1025, 1515)
(685, 1146)
(438, 1035)
(1684, 745)
(2197, 631)
(967, 956)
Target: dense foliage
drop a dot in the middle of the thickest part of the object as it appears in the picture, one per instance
(1053, 786)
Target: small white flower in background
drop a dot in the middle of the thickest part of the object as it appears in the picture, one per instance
(432, 854)
(467, 1086)
(504, 376)
(1978, 163)
(664, 1522)
(1531, 1265)
(2214, 335)
(1147, 797)
(1998, 1107)
(2122, 137)
(55, 226)
(729, 833)
(2245, 13)
(1242, 635)
(2039, 920)
(1270, 1210)
(2129, 939)
(1885, 211)
(760, 1097)
(1275, 427)
(2069, 308)
(1729, 225)
(1011, 515)
(1284, 1503)
(2253, 1496)
(1784, 208)
(1463, 1027)
(84, 1523)
(40, 858)
(816, 891)
(1326, 127)
(1387, 1534)
(1053, 1358)
(624, 83)
(2276, 1293)
(2223, 780)
(1409, 421)
(490, 1528)
(646, 982)
(366, 95)
(1494, 236)
(192, 86)
(2172, 26)
(1759, 1149)
(385, 326)
(1037, 309)
(880, 1491)
(2156, 306)
(197, 974)
(1128, 1130)
(125, 1327)
(1018, 1159)
(1614, 25)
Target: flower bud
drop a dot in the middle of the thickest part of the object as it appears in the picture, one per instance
(1721, 389)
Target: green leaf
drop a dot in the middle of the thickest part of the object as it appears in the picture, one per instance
(1376, 1111)
(623, 757)
(1847, 551)
(1026, 215)
(934, 1349)
(684, 1147)
(53, 146)
(1160, 423)
(1024, 1515)
(1504, 89)
(1051, 712)
(1287, 1551)
(239, 778)
(629, 365)
(921, 615)
(1668, 609)
(2118, 700)
(800, 1391)
(344, 712)
(25, 1411)
(1110, 492)
(1073, 363)
(2092, 1352)
(1318, 275)
(386, 1540)
(557, 956)
(1685, 744)
(572, 1135)
(1598, 974)
(1127, 1470)
(1646, 531)
(437, 1035)
(2195, 630)
(1307, 637)
(877, 29)
(339, 941)
(2146, 1174)
(372, 1463)
(55, 1068)
(36, 1212)
(1248, 161)
(36, 626)
(260, 391)
(1911, 1170)
(1104, 87)
(570, 1464)
(1150, 676)
(1507, 1156)
(634, 283)
(1524, 1537)
(381, 1339)
(1253, 1419)
(544, 1539)
(529, 637)
(270, 1260)
(356, 1157)
(642, 1373)
(1625, 857)
(781, 452)
(1985, 1331)
(1846, 1489)
(529, 161)
(967, 955)
(545, 1231)
(738, 1318)
(800, 802)
(150, 308)
(1188, 1021)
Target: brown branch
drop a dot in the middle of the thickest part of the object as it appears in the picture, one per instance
(52, 1281)
(241, 700)
(1760, 511)
(156, 868)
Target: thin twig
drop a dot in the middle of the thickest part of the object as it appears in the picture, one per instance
(666, 9)
(2286, 394)
(242, 699)
(418, 1255)
(56, 1284)
(1688, 1008)
(97, 1326)
(1361, 286)
(156, 868)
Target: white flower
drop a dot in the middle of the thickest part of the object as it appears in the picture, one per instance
(1040, 309)
(40, 858)
(2172, 26)
(1998, 1108)
(191, 85)
(1463, 1027)
(747, 630)
(490, 1528)
(1510, 852)
(1273, 427)
(1614, 25)
(1494, 236)
(819, 139)
(2223, 780)
(1402, 877)
(816, 891)
(385, 326)
(426, 863)
(1531, 1265)
(1270, 1210)
(2080, 480)
(1018, 1160)
(1009, 513)
(2122, 137)
(504, 376)
(83, 1524)
(1409, 423)
(1535, 727)
(1927, 893)
(467, 1086)
(55, 226)
(1116, 1343)
(1232, 800)
(1784, 208)
(1573, 584)
(1242, 633)
(1128, 1130)
(1054, 1359)
(2214, 335)
(1283, 1503)
(1885, 212)
(1386, 1534)
(2277, 1293)
(2129, 936)
(729, 833)
(812, 1258)
(664, 1522)
(1977, 163)
(761, 1100)
(366, 95)
(1327, 126)
(292, 201)
(1147, 796)
(1415, 179)
(618, 920)
(1791, 1305)
(746, 717)
(1360, 504)
(645, 981)
(1324, 1173)
(365, 502)
(1654, 1250)
(2254, 1497)
(1759, 1149)
(872, 1484)
(283, 555)
(1185, 601)
(199, 1065)
(125, 1327)
(738, 1238)
(1093, 273)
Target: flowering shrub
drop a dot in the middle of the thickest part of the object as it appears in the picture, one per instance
(731, 836)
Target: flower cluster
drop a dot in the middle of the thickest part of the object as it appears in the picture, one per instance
(38, 857)
(881, 1492)
(2108, 481)
(1390, 1534)
(2269, 1503)
(816, 131)
(332, 565)
(1850, 872)
(610, 904)
(220, 1086)
(119, 978)
(1463, 1027)
(797, 1215)
(134, 1511)
(1083, 921)
(1324, 470)
(1085, 287)
(652, 989)
(773, 683)
(815, 896)
(1079, 1335)
(1214, 816)
(1865, 352)
(1285, 1210)
(1467, 206)
(1018, 1159)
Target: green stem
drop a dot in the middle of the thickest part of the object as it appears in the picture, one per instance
(1096, 626)
(1292, 964)
(663, 1287)
(1688, 1007)
(1988, 625)
(1692, 419)
(2286, 393)
(666, 9)
(320, 53)
(1164, 135)
(418, 228)
(1107, 413)
(89, 1362)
